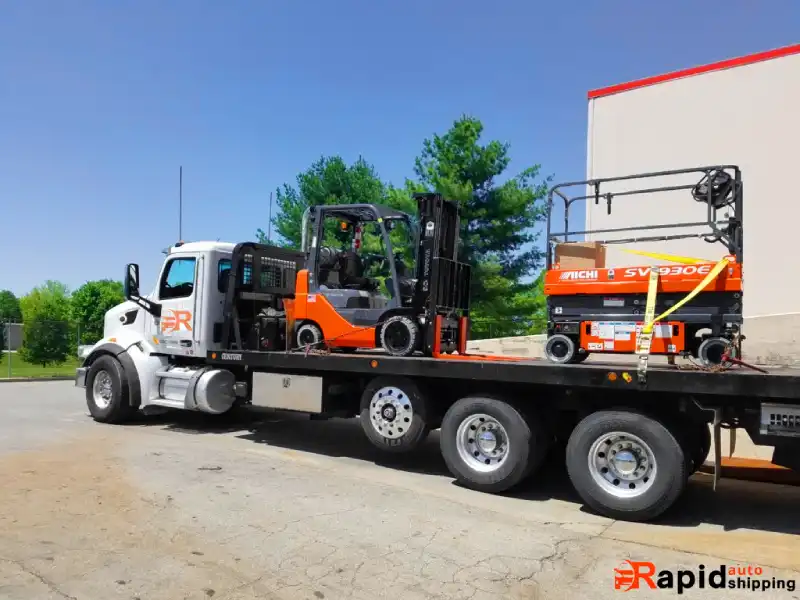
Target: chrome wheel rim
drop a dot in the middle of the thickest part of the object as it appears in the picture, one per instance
(482, 443)
(391, 412)
(622, 464)
(102, 389)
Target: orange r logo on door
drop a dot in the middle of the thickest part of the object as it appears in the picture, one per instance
(173, 322)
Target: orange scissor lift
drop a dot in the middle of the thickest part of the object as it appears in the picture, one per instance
(687, 307)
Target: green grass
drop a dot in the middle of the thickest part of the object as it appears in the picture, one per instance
(20, 368)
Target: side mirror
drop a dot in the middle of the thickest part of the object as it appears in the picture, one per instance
(130, 285)
(131, 282)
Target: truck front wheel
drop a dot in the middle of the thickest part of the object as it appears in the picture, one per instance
(394, 414)
(107, 394)
(626, 465)
(489, 445)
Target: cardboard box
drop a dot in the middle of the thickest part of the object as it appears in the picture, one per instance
(580, 255)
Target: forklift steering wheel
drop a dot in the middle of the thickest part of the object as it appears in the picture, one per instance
(370, 259)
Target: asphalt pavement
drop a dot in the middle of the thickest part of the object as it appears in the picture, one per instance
(273, 505)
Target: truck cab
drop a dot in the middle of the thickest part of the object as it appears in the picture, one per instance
(186, 302)
(154, 345)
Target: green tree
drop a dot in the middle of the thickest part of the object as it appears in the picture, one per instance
(9, 313)
(498, 222)
(47, 337)
(330, 180)
(89, 304)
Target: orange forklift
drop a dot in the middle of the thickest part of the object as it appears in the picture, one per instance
(690, 308)
(348, 299)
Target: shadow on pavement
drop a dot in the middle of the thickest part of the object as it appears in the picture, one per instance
(735, 504)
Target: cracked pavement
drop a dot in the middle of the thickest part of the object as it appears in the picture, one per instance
(277, 506)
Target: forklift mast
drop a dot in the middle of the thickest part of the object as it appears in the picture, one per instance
(442, 288)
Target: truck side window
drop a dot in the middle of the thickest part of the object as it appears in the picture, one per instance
(178, 279)
(222, 274)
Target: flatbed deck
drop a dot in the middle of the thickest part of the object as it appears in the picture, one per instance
(777, 385)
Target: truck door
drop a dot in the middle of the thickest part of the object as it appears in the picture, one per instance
(178, 292)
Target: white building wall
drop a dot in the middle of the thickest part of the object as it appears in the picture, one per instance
(748, 116)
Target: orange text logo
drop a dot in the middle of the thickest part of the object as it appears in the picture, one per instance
(173, 322)
(630, 574)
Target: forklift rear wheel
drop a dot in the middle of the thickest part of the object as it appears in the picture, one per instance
(399, 336)
(309, 334)
(107, 391)
(560, 348)
(489, 445)
(394, 414)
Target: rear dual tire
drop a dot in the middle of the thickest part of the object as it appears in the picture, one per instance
(491, 446)
(626, 465)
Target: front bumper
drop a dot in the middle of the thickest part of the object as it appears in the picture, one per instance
(80, 377)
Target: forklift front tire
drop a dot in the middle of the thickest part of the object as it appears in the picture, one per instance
(399, 336)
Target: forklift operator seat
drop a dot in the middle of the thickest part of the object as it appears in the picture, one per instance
(328, 262)
(351, 269)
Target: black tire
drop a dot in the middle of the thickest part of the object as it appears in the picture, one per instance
(394, 414)
(117, 409)
(560, 349)
(399, 336)
(309, 334)
(666, 449)
(527, 444)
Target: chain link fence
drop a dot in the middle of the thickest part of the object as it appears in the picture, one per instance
(39, 349)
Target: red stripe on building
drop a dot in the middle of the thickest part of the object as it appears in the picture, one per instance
(717, 66)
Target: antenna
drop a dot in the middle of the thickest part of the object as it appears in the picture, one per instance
(269, 224)
(180, 204)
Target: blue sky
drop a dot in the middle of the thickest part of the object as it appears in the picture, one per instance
(101, 102)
